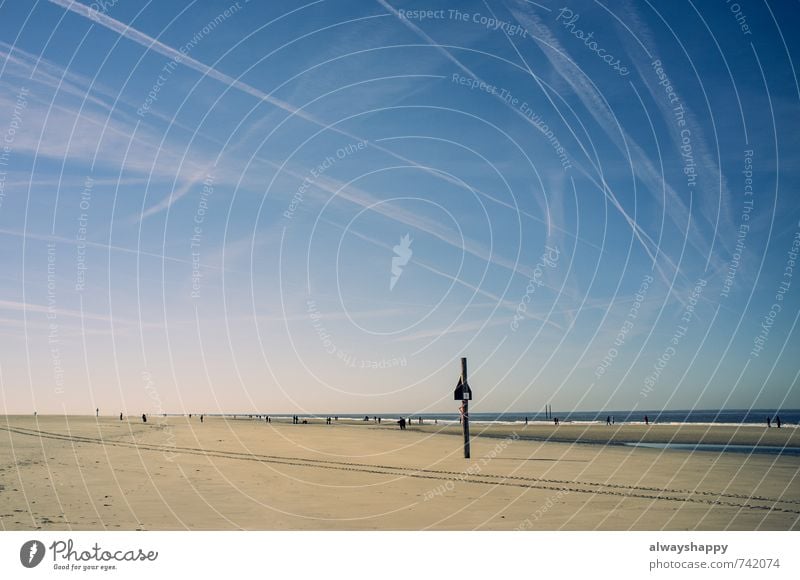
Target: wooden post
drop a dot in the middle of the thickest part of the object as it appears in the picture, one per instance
(466, 407)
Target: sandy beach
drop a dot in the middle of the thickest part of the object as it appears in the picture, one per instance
(174, 473)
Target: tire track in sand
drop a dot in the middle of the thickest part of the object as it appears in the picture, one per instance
(739, 501)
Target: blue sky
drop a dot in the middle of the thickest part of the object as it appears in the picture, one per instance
(203, 207)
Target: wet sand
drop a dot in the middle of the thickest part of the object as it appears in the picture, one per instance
(174, 473)
(686, 433)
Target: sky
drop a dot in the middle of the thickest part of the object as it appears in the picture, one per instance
(319, 207)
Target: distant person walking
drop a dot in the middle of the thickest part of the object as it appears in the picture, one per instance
(202, 417)
(769, 422)
(778, 421)
(144, 418)
(646, 420)
(97, 412)
(402, 423)
(608, 420)
(120, 416)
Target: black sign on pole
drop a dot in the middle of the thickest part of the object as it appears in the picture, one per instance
(463, 393)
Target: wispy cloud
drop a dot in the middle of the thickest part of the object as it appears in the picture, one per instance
(31, 307)
(155, 45)
(108, 247)
(597, 108)
(65, 120)
(640, 162)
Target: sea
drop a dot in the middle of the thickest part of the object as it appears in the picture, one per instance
(790, 418)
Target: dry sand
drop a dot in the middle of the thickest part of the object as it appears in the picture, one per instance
(84, 473)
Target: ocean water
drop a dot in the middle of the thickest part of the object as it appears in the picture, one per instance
(749, 449)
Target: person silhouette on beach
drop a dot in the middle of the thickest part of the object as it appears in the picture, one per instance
(608, 420)
(144, 418)
(120, 416)
(202, 417)
(402, 423)
(646, 420)
(778, 421)
(769, 422)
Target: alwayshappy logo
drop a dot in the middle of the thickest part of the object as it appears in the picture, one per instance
(31, 553)
(402, 256)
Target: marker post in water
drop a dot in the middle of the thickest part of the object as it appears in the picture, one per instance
(463, 393)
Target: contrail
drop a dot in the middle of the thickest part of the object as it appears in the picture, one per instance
(644, 239)
(155, 45)
(151, 43)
